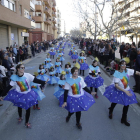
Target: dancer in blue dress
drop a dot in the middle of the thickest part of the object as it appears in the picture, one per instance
(70, 52)
(36, 88)
(68, 70)
(48, 63)
(82, 62)
(76, 97)
(58, 68)
(42, 73)
(94, 78)
(52, 52)
(119, 91)
(53, 79)
(60, 55)
(59, 90)
(74, 55)
(22, 96)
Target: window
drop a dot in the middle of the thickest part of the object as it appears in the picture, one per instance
(20, 9)
(26, 14)
(38, 25)
(9, 4)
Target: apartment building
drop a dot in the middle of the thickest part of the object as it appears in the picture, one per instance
(58, 22)
(14, 22)
(45, 20)
(129, 25)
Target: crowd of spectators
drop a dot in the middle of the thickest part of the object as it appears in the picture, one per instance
(12, 55)
(104, 50)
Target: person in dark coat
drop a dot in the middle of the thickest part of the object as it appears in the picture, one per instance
(137, 68)
(121, 50)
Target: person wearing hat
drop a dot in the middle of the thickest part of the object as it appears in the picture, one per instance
(119, 91)
(94, 78)
(82, 62)
(52, 52)
(74, 55)
(59, 90)
(68, 70)
(48, 63)
(53, 78)
(58, 68)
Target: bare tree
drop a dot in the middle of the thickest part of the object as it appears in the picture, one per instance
(76, 33)
(108, 21)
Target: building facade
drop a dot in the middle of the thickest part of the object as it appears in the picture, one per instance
(45, 21)
(14, 22)
(129, 24)
(58, 23)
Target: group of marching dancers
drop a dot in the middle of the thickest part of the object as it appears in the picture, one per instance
(72, 91)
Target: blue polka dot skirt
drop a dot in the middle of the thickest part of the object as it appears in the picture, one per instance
(116, 96)
(97, 82)
(74, 56)
(83, 66)
(82, 103)
(52, 53)
(24, 101)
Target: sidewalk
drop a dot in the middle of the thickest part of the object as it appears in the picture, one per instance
(102, 67)
(8, 108)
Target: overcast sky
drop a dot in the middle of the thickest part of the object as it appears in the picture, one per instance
(71, 20)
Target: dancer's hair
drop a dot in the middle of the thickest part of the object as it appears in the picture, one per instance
(73, 69)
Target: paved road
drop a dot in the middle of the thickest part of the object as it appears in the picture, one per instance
(49, 123)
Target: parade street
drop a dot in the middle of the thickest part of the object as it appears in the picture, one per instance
(49, 123)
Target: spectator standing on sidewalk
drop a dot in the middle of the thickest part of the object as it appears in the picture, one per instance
(121, 50)
(15, 53)
(137, 68)
(133, 55)
(113, 50)
(106, 54)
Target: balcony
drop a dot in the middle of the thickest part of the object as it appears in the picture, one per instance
(54, 27)
(54, 21)
(32, 24)
(32, 6)
(47, 2)
(47, 12)
(47, 21)
(53, 14)
(38, 8)
(54, 9)
(54, 3)
(38, 19)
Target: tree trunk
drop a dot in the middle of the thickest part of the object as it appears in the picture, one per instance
(110, 35)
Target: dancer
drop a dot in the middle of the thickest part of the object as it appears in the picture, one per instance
(60, 55)
(36, 88)
(70, 52)
(59, 90)
(42, 73)
(58, 66)
(82, 62)
(48, 63)
(94, 78)
(119, 91)
(22, 96)
(68, 70)
(53, 78)
(52, 52)
(74, 55)
(76, 98)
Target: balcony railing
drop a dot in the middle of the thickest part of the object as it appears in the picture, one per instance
(47, 2)
(32, 6)
(38, 19)
(54, 27)
(47, 12)
(38, 8)
(54, 21)
(53, 14)
(32, 24)
(47, 21)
